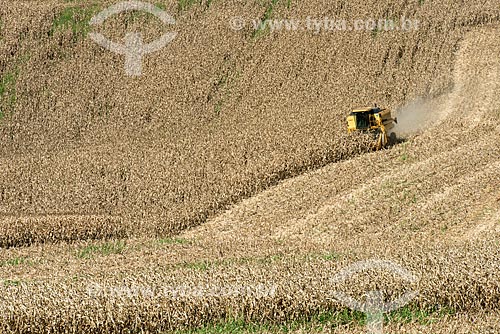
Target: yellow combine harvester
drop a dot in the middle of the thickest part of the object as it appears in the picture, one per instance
(374, 120)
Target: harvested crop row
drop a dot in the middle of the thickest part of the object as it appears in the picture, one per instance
(462, 280)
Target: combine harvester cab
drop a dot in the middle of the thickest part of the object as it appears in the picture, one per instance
(375, 120)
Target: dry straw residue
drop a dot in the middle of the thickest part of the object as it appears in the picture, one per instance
(219, 116)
